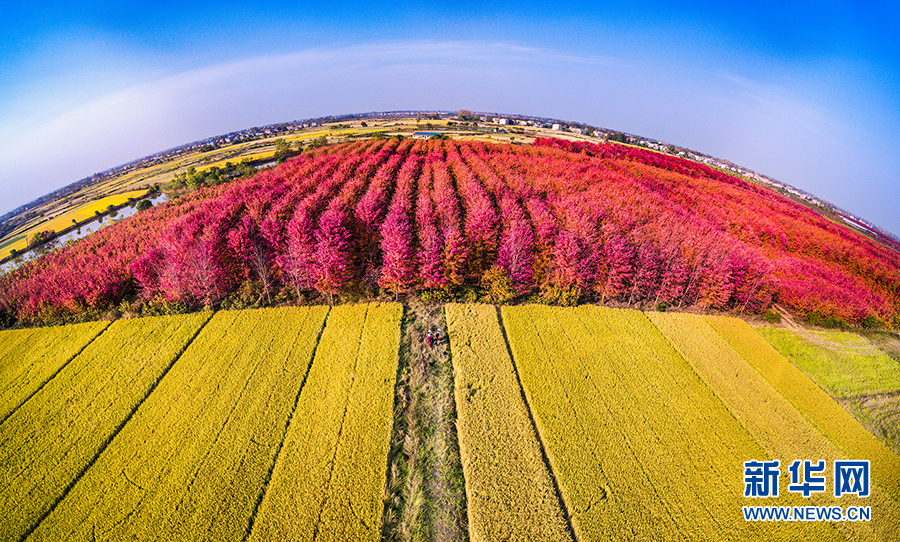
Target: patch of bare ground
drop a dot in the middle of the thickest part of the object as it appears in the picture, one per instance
(425, 492)
(886, 341)
(880, 414)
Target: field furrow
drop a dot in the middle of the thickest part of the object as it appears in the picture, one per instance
(773, 421)
(510, 494)
(30, 357)
(46, 444)
(328, 479)
(192, 462)
(827, 415)
(641, 446)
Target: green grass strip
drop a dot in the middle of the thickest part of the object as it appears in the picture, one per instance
(828, 416)
(328, 481)
(859, 369)
(509, 492)
(192, 461)
(777, 425)
(8, 242)
(640, 445)
(46, 444)
(30, 357)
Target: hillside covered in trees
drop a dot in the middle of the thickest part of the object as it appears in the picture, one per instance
(557, 222)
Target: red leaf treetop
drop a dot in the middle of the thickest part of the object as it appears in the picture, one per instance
(566, 221)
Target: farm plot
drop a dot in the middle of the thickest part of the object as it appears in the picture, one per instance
(846, 365)
(47, 443)
(783, 431)
(875, 372)
(640, 446)
(864, 379)
(30, 357)
(328, 479)
(509, 491)
(68, 218)
(192, 461)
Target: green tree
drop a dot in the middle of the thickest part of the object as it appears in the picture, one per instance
(282, 150)
(41, 237)
(320, 141)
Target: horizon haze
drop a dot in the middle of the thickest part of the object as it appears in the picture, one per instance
(805, 93)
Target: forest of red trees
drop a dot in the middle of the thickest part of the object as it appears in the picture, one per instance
(557, 221)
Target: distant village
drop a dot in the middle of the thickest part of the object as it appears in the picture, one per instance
(484, 122)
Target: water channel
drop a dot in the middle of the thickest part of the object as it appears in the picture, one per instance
(83, 230)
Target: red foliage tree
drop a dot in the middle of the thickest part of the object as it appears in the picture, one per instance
(397, 236)
(332, 261)
(574, 220)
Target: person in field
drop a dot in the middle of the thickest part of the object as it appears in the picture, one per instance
(429, 339)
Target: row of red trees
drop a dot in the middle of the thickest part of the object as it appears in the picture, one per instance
(563, 220)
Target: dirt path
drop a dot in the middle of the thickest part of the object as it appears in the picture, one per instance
(425, 489)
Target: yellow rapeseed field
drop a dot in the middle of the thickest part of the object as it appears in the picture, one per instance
(640, 445)
(30, 357)
(47, 442)
(509, 492)
(193, 460)
(774, 422)
(328, 480)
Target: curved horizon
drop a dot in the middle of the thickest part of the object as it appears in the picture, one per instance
(804, 94)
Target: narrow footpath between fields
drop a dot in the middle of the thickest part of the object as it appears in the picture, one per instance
(425, 490)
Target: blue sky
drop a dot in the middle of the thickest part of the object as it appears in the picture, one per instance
(805, 92)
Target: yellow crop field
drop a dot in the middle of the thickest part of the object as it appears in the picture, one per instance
(47, 442)
(772, 420)
(30, 357)
(63, 221)
(844, 364)
(328, 479)
(237, 160)
(87, 211)
(573, 424)
(828, 416)
(192, 461)
(509, 492)
(641, 447)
